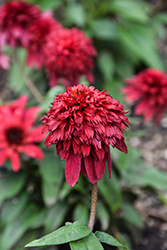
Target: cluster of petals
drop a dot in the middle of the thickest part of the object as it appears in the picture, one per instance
(149, 90)
(82, 122)
(16, 18)
(39, 32)
(68, 56)
(17, 134)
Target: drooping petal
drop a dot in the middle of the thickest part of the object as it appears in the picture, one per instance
(3, 157)
(72, 168)
(15, 161)
(100, 166)
(90, 169)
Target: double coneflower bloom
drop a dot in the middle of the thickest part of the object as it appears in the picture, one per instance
(82, 122)
(149, 89)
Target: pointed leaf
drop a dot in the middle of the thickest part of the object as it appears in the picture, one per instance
(88, 243)
(70, 232)
(110, 240)
(78, 245)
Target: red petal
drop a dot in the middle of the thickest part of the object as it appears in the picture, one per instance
(35, 135)
(30, 116)
(90, 169)
(121, 145)
(3, 157)
(100, 168)
(72, 169)
(15, 161)
(32, 151)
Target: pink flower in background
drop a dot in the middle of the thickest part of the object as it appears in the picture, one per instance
(39, 32)
(82, 123)
(17, 134)
(69, 55)
(149, 89)
(4, 61)
(15, 20)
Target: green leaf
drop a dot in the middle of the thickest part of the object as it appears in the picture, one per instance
(11, 184)
(132, 39)
(131, 216)
(104, 29)
(49, 97)
(103, 215)
(70, 232)
(154, 178)
(60, 209)
(110, 240)
(106, 64)
(78, 245)
(130, 9)
(51, 170)
(76, 14)
(81, 212)
(14, 231)
(88, 243)
(110, 190)
(11, 209)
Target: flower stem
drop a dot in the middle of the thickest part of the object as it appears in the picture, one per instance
(28, 81)
(93, 206)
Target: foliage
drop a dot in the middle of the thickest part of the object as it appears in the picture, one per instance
(36, 200)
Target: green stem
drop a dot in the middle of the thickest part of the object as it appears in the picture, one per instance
(28, 81)
(93, 206)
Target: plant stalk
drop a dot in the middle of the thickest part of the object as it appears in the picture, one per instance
(93, 206)
(28, 81)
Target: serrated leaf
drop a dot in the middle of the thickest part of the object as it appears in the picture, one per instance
(68, 233)
(11, 184)
(110, 240)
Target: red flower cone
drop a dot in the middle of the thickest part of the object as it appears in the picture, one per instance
(149, 89)
(69, 55)
(17, 134)
(82, 123)
(16, 18)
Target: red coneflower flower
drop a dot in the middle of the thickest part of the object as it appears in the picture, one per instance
(15, 20)
(149, 89)
(82, 122)
(39, 32)
(69, 55)
(17, 134)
